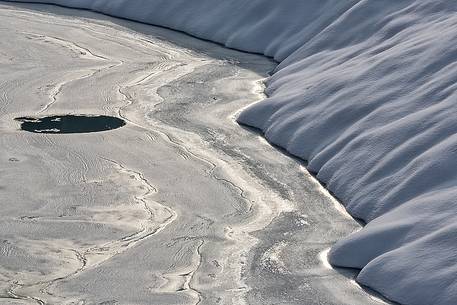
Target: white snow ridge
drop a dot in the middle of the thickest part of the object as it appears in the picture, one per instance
(366, 93)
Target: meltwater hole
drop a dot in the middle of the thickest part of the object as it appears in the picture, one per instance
(64, 124)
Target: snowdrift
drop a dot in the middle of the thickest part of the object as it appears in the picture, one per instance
(366, 92)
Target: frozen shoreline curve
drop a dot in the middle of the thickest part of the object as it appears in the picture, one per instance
(365, 92)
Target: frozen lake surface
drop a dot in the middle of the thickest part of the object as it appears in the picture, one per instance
(179, 206)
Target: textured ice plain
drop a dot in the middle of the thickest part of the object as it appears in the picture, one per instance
(365, 93)
(181, 205)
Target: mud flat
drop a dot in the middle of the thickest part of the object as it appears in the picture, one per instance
(178, 206)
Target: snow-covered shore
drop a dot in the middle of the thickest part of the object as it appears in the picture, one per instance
(365, 92)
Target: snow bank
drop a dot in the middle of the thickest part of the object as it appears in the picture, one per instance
(366, 92)
(271, 27)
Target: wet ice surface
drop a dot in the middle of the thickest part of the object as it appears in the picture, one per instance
(70, 123)
(180, 205)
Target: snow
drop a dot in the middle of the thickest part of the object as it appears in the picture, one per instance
(365, 92)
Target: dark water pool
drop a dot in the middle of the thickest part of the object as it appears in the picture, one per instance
(65, 124)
